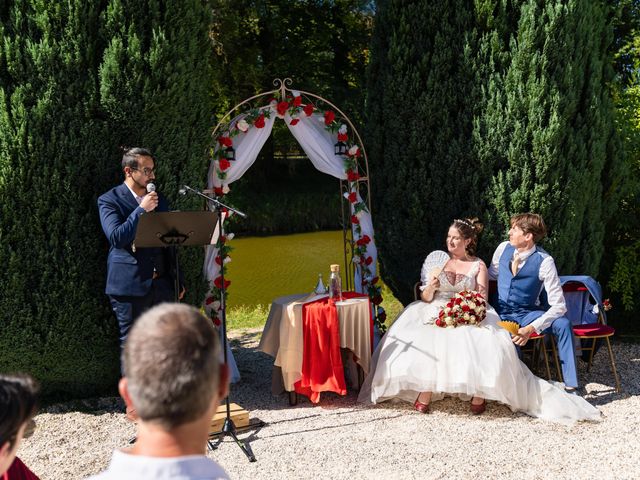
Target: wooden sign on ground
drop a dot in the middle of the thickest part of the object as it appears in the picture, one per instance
(239, 416)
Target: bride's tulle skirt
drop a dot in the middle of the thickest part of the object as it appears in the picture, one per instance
(417, 356)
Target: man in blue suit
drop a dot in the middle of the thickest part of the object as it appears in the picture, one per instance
(137, 278)
(523, 269)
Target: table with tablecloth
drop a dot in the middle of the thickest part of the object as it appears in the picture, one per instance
(304, 333)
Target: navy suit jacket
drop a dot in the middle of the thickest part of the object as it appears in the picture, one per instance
(130, 273)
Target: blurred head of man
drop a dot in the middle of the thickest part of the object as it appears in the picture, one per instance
(18, 404)
(174, 377)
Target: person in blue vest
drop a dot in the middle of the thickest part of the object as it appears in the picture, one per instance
(522, 270)
(137, 278)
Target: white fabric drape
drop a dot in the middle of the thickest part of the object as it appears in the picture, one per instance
(318, 144)
(247, 146)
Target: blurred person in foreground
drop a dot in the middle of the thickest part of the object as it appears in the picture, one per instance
(18, 405)
(175, 380)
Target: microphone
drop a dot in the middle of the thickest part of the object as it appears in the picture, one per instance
(151, 187)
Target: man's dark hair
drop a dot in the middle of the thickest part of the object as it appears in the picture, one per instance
(18, 404)
(130, 156)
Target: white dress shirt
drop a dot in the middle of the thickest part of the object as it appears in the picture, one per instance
(125, 466)
(135, 195)
(548, 275)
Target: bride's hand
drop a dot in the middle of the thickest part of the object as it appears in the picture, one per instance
(430, 289)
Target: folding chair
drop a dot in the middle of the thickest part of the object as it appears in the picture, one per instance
(583, 296)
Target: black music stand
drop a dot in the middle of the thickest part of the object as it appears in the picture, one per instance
(228, 428)
(175, 229)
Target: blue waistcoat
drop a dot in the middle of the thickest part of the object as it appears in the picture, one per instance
(518, 295)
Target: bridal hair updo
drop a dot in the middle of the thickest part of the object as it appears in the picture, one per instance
(470, 229)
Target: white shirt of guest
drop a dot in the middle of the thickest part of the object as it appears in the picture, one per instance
(135, 195)
(125, 466)
(548, 275)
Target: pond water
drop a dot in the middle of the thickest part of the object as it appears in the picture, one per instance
(263, 268)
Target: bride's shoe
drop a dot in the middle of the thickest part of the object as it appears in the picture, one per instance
(479, 408)
(421, 407)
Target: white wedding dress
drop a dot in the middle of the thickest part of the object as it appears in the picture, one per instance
(417, 356)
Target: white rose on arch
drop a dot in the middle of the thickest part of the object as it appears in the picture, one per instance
(343, 129)
(242, 125)
(353, 151)
(355, 259)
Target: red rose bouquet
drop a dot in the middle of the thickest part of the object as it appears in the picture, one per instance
(464, 308)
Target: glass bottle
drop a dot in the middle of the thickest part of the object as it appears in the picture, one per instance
(320, 288)
(335, 284)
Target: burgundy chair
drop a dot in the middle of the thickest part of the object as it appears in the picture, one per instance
(592, 332)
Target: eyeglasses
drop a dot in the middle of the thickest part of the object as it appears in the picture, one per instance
(146, 170)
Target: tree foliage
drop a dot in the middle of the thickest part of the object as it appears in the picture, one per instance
(495, 109)
(78, 79)
(419, 106)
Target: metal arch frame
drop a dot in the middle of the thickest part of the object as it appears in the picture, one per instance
(282, 87)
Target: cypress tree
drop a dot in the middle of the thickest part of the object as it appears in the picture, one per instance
(418, 136)
(549, 127)
(52, 310)
(77, 80)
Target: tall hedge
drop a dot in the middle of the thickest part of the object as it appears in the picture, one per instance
(78, 79)
(419, 123)
(532, 78)
(550, 132)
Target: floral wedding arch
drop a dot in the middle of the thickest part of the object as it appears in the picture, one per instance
(334, 147)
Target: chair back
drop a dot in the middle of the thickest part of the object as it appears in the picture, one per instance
(583, 297)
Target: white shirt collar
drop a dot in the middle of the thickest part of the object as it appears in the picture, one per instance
(526, 254)
(135, 195)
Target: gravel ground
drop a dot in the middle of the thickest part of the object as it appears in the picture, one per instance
(340, 439)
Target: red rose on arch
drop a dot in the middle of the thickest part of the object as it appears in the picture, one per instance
(377, 300)
(209, 301)
(259, 123)
(218, 191)
(382, 317)
(294, 121)
(352, 176)
(297, 101)
(224, 164)
(219, 260)
(282, 107)
(368, 261)
(308, 109)
(343, 137)
(375, 280)
(218, 283)
(329, 117)
(216, 321)
(225, 141)
(355, 220)
(353, 197)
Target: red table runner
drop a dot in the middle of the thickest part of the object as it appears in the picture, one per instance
(322, 369)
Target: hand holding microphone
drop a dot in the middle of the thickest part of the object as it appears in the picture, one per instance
(150, 200)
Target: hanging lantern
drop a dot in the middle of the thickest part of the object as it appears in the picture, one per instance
(230, 153)
(340, 148)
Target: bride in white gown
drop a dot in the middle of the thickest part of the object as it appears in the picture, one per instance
(419, 362)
